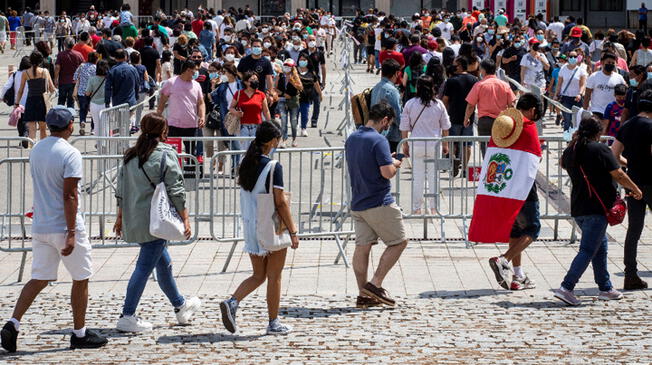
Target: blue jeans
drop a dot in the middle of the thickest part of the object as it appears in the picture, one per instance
(152, 255)
(569, 102)
(288, 115)
(316, 104)
(377, 53)
(84, 105)
(304, 109)
(593, 249)
(65, 95)
(247, 130)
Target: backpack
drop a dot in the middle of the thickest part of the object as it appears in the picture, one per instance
(360, 104)
(10, 95)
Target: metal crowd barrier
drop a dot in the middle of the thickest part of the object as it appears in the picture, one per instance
(318, 182)
(97, 203)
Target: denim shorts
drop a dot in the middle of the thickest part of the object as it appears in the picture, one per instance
(527, 221)
(461, 130)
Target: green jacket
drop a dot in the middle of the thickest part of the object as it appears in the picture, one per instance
(134, 192)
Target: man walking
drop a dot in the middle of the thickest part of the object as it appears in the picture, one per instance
(386, 91)
(318, 61)
(64, 70)
(58, 232)
(376, 215)
(121, 82)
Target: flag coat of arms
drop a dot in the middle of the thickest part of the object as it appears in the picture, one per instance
(507, 176)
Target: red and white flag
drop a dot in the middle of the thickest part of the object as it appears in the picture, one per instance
(505, 182)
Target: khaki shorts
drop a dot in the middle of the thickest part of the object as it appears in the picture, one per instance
(384, 222)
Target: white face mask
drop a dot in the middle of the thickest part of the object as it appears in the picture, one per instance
(479, 39)
(312, 44)
(287, 69)
(227, 38)
(224, 78)
(229, 57)
(267, 44)
(296, 47)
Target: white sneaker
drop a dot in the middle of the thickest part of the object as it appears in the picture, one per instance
(612, 294)
(277, 328)
(189, 308)
(304, 133)
(133, 324)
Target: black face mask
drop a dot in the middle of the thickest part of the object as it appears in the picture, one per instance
(609, 67)
(254, 84)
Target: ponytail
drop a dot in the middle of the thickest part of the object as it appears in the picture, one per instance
(588, 130)
(248, 173)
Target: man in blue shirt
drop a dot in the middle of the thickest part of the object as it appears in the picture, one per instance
(642, 18)
(386, 91)
(121, 82)
(376, 215)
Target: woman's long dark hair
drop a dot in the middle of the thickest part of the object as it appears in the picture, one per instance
(587, 131)
(153, 126)
(425, 89)
(266, 132)
(35, 59)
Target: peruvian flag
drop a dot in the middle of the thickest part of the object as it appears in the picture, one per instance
(505, 181)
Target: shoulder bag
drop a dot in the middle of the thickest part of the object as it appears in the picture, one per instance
(616, 214)
(10, 94)
(164, 220)
(570, 80)
(271, 234)
(232, 122)
(417, 120)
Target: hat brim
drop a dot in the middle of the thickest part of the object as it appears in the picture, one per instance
(503, 135)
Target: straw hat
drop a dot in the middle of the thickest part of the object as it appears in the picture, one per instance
(507, 127)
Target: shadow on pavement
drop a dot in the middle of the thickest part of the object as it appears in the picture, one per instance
(310, 313)
(462, 294)
(106, 332)
(18, 354)
(643, 274)
(533, 305)
(206, 338)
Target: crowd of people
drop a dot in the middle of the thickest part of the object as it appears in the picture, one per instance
(438, 77)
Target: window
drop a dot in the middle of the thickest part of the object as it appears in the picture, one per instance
(607, 5)
(570, 5)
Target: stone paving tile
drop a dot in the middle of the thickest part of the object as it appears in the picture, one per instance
(511, 328)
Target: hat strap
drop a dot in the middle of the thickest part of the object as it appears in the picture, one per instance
(512, 131)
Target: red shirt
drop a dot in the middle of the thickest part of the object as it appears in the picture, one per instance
(197, 26)
(84, 49)
(252, 106)
(95, 39)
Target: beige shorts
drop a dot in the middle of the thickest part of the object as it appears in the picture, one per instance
(384, 222)
(46, 253)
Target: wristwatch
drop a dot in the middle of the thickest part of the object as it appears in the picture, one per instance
(293, 233)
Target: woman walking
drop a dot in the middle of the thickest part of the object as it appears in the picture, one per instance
(310, 84)
(592, 168)
(95, 94)
(424, 116)
(39, 86)
(255, 172)
(149, 162)
(248, 104)
(571, 86)
(82, 76)
(222, 97)
(289, 86)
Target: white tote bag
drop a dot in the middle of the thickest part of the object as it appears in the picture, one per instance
(164, 220)
(268, 222)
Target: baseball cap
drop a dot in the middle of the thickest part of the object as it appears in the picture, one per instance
(59, 116)
(533, 41)
(576, 32)
(289, 62)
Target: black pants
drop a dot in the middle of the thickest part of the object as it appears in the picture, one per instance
(636, 213)
(188, 147)
(484, 129)
(642, 24)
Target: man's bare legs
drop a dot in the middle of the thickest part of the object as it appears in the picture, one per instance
(387, 261)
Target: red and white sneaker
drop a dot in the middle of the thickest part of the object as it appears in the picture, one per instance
(522, 283)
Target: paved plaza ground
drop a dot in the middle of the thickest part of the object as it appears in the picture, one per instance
(450, 309)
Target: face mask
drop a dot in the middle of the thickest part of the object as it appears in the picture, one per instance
(296, 47)
(295, 38)
(265, 30)
(609, 67)
(254, 84)
(305, 36)
(572, 60)
(213, 75)
(224, 78)
(387, 35)
(267, 44)
(518, 44)
(479, 39)
(227, 38)
(195, 75)
(540, 37)
(491, 31)
(303, 63)
(229, 57)
(499, 36)
(256, 50)
(555, 49)
(287, 69)
(268, 58)
(649, 75)
(243, 42)
(633, 82)
(312, 44)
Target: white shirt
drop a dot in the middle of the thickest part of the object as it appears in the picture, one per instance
(51, 161)
(456, 48)
(16, 81)
(603, 89)
(428, 55)
(573, 85)
(231, 90)
(377, 32)
(557, 28)
(432, 121)
(219, 19)
(446, 30)
(534, 74)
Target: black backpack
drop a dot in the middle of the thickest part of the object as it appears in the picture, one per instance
(10, 95)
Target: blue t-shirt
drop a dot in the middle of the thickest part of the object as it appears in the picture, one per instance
(642, 14)
(366, 152)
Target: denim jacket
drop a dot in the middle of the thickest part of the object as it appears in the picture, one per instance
(218, 96)
(386, 91)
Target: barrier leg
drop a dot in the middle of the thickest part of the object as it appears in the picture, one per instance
(341, 246)
(228, 259)
(22, 267)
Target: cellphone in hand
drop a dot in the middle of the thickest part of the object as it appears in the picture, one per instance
(399, 156)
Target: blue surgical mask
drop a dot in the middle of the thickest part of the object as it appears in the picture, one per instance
(649, 75)
(491, 31)
(518, 44)
(633, 82)
(303, 63)
(499, 36)
(256, 50)
(195, 75)
(572, 60)
(305, 36)
(540, 37)
(213, 75)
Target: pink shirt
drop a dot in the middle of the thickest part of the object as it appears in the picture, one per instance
(182, 103)
(496, 96)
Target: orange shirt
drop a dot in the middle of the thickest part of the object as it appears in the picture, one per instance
(496, 96)
(84, 49)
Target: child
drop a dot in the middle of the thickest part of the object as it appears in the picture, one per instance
(613, 112)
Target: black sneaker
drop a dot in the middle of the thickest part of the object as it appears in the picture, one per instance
(92, 340)
(366, 302)
(9, 335)
(229, 309)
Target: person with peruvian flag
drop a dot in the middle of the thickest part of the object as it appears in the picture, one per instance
(506, 206)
